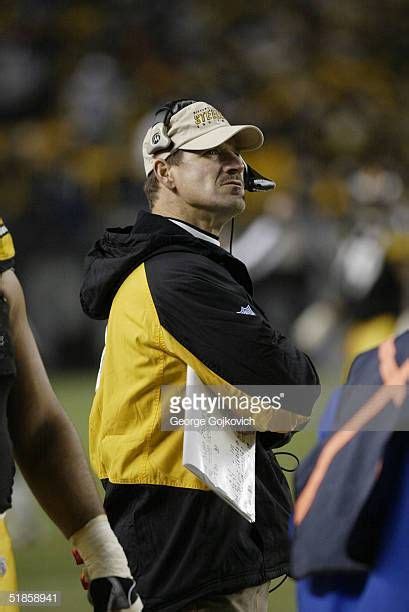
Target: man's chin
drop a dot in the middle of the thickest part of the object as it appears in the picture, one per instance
(238, 205)
(232, 205)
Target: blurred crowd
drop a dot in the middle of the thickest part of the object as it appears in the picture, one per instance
(328, 82)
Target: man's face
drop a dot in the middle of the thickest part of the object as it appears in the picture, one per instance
(212, 180)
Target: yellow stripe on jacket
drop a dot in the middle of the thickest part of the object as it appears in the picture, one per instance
(126, 442)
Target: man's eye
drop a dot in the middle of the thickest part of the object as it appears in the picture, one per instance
(212, 152)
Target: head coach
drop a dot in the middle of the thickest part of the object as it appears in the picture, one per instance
(174, 298)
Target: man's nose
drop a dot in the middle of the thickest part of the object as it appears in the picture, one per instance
(233, 163)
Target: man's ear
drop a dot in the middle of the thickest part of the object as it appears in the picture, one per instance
(163, 173)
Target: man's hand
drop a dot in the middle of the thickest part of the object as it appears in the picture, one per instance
(109, 593)
(106, 574)
(116, 594)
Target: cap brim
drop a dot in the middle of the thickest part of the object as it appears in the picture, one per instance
(247, 138)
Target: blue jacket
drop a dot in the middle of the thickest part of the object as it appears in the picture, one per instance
(350, 548)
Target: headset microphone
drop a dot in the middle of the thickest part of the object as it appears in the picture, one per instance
(253, 181)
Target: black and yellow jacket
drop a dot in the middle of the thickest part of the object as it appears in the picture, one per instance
(173, 300)
(7, 375)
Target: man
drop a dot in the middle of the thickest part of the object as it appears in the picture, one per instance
(351, 516)
(45, 443)
(175, 299)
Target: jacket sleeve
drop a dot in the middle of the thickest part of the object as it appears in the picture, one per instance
(212, 324)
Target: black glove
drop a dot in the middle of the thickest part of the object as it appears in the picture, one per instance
(114, 594)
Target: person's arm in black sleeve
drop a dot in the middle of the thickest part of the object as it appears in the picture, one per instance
(211, 322)
(296, 367)
(300, 370)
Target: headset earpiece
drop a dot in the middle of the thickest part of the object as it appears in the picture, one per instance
(160, 140)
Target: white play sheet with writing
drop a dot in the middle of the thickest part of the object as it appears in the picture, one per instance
(224, 460)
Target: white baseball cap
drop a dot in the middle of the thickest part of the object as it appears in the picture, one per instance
(198, 127)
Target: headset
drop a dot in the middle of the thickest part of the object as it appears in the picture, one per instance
(160, 141)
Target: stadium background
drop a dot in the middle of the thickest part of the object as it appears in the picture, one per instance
(328, 82)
